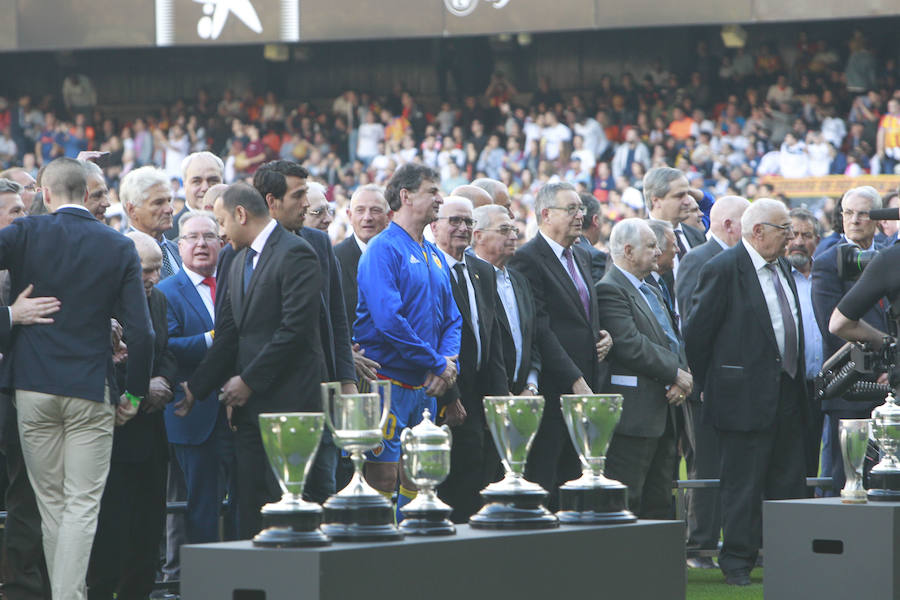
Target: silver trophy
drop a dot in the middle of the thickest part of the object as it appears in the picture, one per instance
(884, 478)
(513, 502)
(592, 499)
(291, 441)
(854, 437)
(426, 460)
(358, 512)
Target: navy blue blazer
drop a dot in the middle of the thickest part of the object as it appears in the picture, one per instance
(188, 321)
(96, 274)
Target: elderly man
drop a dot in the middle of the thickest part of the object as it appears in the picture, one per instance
(407, 320)
(647, 366)
(704, 510)
(665, 238)
(669, 197)
(590, 235)
(98, 192)
(475, 194)
(11, 205)
(133, 509)
(199, 171)
(746, 352)
(196, 438)
(320, 213)
(497, 189)
(572, 344)
(827, 290)
(147, 199)
(23, 178)
(481, 368)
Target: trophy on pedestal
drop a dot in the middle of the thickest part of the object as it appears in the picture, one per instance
(854, 438)
(513, 502)
(358, 513)
(592, 499)
(426, 460)
(884, 478)
(291, 441)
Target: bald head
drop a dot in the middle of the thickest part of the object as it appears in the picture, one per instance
(151, 258)
(725, 218)
(211, 195)
(497, 189)
(476, 195)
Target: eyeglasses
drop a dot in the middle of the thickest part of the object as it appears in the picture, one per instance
(457, 221)
(572, 209)
(849, 214)
(319, 211)
(31, 187)
(786, 228)
(505, 229)
(193, 238)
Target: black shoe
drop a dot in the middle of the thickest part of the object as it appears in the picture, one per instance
(701, 562)
(740, 578)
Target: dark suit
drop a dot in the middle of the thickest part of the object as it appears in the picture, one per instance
(694, 238)
(527, 314)
(348, 253)
(599, 258)
(641, 364)
(756, 408)
(125, 554)
(827, 290)
(472, 462)
(567, 339)
(269, 336)
(704, 509)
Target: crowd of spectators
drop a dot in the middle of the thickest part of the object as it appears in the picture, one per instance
(810, 109)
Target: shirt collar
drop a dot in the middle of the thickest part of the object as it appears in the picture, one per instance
(637, 283)
(362, 245)
(260, 242)
(845, 240)
(81, 206)
(720, 242)
(758, 261)
(556, 247)
(196, 278)
(451, 262)
(496, 268)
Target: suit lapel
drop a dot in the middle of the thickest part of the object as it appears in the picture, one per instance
(640, 302)
(481, 295)
(563, 279)
(192, 296)
(750, 282)
(264, 257)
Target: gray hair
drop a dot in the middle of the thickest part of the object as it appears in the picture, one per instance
(484, 215)
(457, 201)
(186, 162)
(315, 186)
(867, 192)
(8, 186)
(657, 182)
(195, 214)
(758, 212)
(546, 196)
(134, 186)
(625, 232)
(805, 215)
(659, 229)
(491, 186)
(370, 187)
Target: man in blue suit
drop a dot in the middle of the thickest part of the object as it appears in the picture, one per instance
(61, 371)
(191, 294)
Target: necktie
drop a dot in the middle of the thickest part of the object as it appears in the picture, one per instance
(248, 268)
(511, 310)
(462, 287)
(664, 290)
(166, 270)
(682, 249)
(579, 284)
(211, 283)
(787, 319)
(662, 317)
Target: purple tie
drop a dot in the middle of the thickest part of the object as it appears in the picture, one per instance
(787, 319)
(579, 284)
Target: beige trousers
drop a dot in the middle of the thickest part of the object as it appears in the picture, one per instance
(66, 444)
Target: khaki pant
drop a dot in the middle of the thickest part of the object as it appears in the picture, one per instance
(66, 443)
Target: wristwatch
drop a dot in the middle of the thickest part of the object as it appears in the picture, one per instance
(532, 388)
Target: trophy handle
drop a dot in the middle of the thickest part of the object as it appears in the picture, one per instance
(329, 390)
(385, 386)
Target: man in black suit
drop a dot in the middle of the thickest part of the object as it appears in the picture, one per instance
(283, 185)
(668, 196)
(481, 369)
(368, 214)
(125, 555)
(704, 510)
(590, 235)
(61, 370)
(647, 366)
(744, 347)
(827, 290)
(571, 343)
(267, 349)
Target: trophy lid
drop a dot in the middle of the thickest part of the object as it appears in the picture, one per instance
(427, 433)
(887, 413)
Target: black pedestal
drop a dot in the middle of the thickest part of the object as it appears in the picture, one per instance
(291, 529)
(884, 487)
(514, 510)
(359, 519)
(606, 505)
(427, 522)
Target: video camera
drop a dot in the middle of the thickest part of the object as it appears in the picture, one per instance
(851, 260)
(852, 372)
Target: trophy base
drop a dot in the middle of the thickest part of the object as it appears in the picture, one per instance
(290, 528)
(519, 506)
(600, 505)
(426, 524)
(884, 486)
(853, 497)
(363, 518)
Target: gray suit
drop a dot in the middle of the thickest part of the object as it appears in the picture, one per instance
(642, 364)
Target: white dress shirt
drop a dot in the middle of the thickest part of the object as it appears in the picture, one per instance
(511, 308)
(451, 263)
(558, 250)
(771, 295)
(260, 242)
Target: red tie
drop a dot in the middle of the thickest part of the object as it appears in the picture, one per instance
(211, 282)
